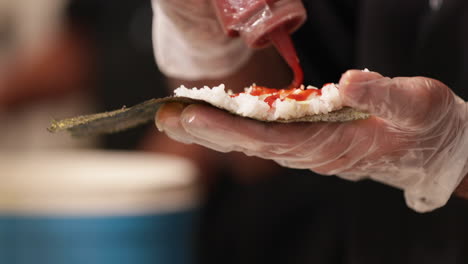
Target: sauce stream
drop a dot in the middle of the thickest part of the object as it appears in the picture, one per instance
(283, 43)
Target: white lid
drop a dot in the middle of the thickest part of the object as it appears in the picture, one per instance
(95, 182)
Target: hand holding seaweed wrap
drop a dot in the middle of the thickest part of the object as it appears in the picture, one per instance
(416, 139)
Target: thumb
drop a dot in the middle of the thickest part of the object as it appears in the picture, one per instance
(402, 99)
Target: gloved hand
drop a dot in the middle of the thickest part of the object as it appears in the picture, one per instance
(415, 140)
(189, 43)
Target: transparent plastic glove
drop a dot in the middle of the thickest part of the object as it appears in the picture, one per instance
(189, 43)
(416, 139)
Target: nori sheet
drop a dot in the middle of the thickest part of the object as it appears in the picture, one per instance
(129, 117)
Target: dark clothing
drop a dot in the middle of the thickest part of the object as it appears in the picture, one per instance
(299, 217)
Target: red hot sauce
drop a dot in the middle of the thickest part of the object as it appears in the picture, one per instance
(271, 95)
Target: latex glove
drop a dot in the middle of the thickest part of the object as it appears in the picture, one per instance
(189, 43)
(416, 139)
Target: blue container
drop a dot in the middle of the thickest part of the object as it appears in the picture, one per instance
(134, 219)
(145, 239)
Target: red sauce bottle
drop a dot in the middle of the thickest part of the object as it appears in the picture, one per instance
(261, 22)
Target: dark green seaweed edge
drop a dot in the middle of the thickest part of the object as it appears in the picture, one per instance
(126, 118)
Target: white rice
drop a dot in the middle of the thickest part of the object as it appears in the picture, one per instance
(254, 107)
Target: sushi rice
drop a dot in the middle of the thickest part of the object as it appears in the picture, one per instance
(255, 107)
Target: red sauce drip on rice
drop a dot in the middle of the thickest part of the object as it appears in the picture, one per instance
(271, 99)
(261, 90)
(304, 95)
(297, 94)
